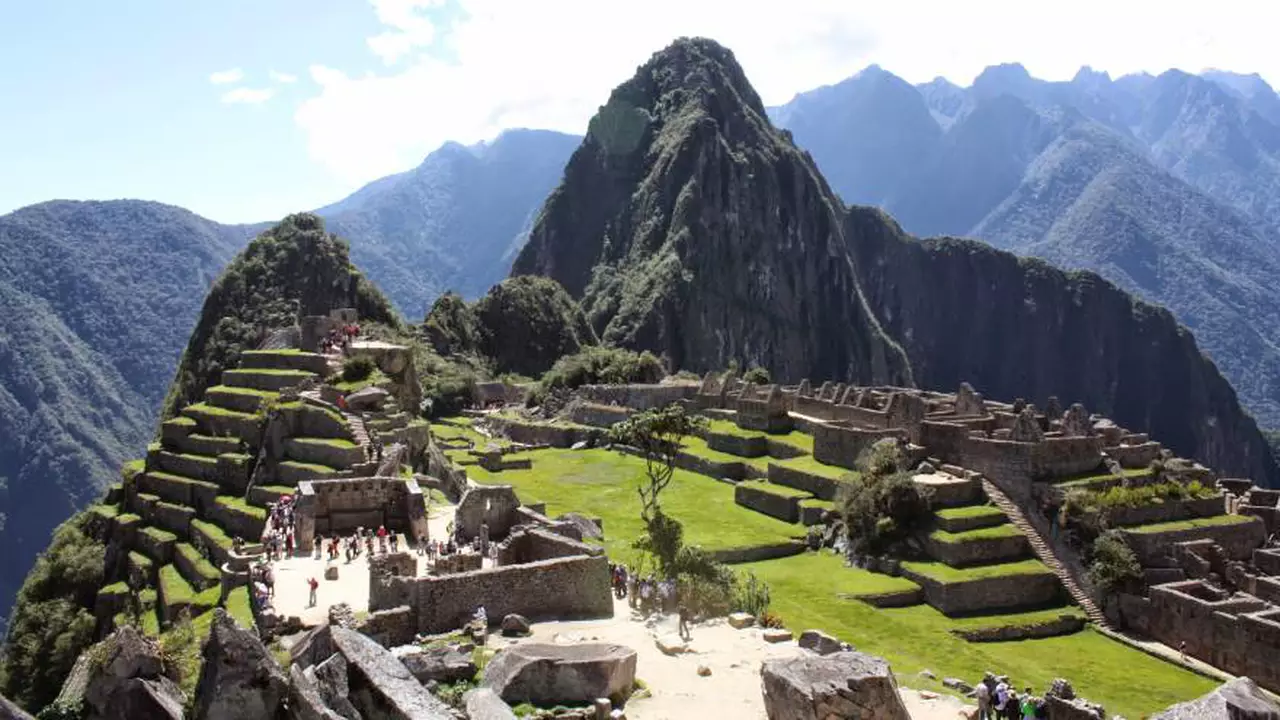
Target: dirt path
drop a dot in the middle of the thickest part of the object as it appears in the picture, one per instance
(677, 691)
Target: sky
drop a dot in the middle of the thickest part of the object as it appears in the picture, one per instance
(247, 110)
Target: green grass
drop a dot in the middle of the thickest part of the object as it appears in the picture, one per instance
(140, 561)
(299, 374)
(987, 533)
(236, 457)
(314, 467)
(181, 421)
(237, 390)
(106, 511)
(331, 442)
(281, 351)
(774, 489)
(1090, 478)
(230, 444)
(807, 592)
(159, 535)
(349, 386)
(214, 533)
(174, 588)
(238, 606)
(179, 478)
(795, 438)
(1216, 521)
(213, 410)
(944, 573)
(808, 464)
(602, 483)
(697, 446)
(239, 505)
(116, 588)
(128, 519)
(817, 503)
(202, 566)
(969, 511)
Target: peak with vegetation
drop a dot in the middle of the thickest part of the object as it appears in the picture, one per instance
(687, 225)
(96, 300)
(294, 268)
(522, 325)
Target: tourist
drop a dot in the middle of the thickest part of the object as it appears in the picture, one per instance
(646, 592)
(269, 579)
(314, 585)
(982, 693)
(1001, 697)
(395, 543)
(288, 545)
(631, 590)
(316, 545)
(368, 542)
(1182, 650)
(683, 627)
(1028, 705)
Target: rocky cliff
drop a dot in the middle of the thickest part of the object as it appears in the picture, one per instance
(688, 225)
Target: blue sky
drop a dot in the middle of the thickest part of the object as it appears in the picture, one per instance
(106, 100)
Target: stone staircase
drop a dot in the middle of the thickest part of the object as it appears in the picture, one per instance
(1044, 551)
(360, 433)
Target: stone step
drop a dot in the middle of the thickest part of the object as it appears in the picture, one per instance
(198, 444)
(330, 452)
(264, 379)
(200, 467)
(285, 360)
(240, 399)
(292, 472)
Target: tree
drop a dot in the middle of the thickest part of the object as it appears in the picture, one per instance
(881, 505)
(658, 435)
(756, 375)
(1115, 566)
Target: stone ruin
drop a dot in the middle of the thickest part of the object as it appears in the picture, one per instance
(339, 506)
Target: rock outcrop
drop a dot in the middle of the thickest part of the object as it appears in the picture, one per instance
(842, 685)
(239, 678)
(127, 680)
(1239, 699)
(9, 711)
(484, 704)
(438, 664)
(688, 225)
(380, 685)
(548, 675)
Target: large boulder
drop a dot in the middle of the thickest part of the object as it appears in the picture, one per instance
(820, 642)
(334, 685)
(484, 704)
(380, 685)
(1239, 699)
(445, 664)
(514, 625)
(239, 678)
(841, 685)
(305, 702)
(545, 674)
(370, 398)
(130, 680)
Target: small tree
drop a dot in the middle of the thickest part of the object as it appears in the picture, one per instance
(1114, 566)
(882, 504)
(756, 375)
(658, 434)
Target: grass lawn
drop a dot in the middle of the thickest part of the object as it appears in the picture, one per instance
(602, 483)
(813, 467)
(237, 390)
(806, 592)
(213, 410)
(969, 511)
(341, 443)
(238, 504)
(774, 489)
(946, 574)
(1006, 530)
(1090, 478)
(794, 438)
(1190, 524)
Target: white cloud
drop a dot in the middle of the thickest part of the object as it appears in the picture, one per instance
(248, 96)
(551, 63)
(226, 77)
(407, 29)
(284, 78)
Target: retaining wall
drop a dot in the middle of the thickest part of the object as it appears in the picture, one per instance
(823, 488)
(1238, 541)
(978, 552)
(998, 593)
(761, 500)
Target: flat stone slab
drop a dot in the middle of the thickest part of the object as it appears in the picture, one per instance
(376, 672)
(671, 644)
(776, 635)
(548, 675)
(843, 685)
(740, 620)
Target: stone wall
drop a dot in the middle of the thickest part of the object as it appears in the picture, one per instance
(639, 396)
(486, 505)
(563, 588)
(1166, 511)
(531, 544)
(823, 488)
(499, 392)
(541, 433)
(390, 628)
(1064, 625)
(597, 415)
(1267, 560)
(332, 506)
(742, 446)
(1135, 456)
(761, 500)
(989, 594)
(1239, 540)
(756, 553)
(841, 443)
(978, 552)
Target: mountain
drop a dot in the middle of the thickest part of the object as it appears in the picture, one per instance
(686, 224)
(459, 216)
(1163, 185)
(96, 300)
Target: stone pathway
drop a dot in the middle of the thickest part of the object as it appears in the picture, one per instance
(1044, 551)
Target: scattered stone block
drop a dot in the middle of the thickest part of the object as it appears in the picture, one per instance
(334, 685)
(331, 572)
(740, 620)
(671, 644)
(514, 624)
(129, 682)
(831, 687)
(549, 675)
(776, 635)
(484, 704)
(382, 686)
(928, 674)
(438, 664)
(820, 642)
(958, 685)
(370, 398)
(580, 445)
(603, 708)
(704, 671)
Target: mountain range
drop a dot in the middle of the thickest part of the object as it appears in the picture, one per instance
(685, 222)
(1164, 185)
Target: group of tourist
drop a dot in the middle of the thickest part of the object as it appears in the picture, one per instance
(998, 700)
(339, 338)
(280, 538)
(361, 540)
(649, 595)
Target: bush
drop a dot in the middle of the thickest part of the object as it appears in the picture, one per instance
(448, 386)
(1114, 566)
(355, 369)
(756, 375)
(751, 595)
(603, 365)
(881, 506)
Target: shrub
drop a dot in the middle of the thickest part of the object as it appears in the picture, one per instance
(769, 619)
(1114, 566)
(881, 506)
(751, 595)
(756, 375)
(603, 365)
(355, 369)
